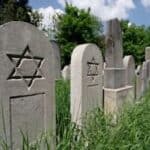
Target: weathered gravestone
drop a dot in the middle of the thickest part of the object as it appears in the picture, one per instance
(144, 77)
(147, 53)
(57, 59)
(66, 72)
(129, 65)
(147, 59)
(116, 92)
(86, 81)
(138, 81)
(27, 101)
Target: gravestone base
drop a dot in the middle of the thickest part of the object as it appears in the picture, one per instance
(114, 78)
(114, 99)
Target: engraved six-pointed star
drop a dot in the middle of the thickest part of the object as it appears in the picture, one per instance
(26, 66)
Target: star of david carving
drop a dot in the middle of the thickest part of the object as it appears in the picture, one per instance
(19, 61)
(92, 67)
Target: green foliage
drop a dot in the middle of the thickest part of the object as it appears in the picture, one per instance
(75, 26)
(132, 130)
(17, 10)
(135, 39)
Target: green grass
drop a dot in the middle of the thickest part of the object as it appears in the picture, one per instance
(131, 132)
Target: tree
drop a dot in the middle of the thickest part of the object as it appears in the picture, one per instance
(135, 39)
(17, 10)
(75, 26)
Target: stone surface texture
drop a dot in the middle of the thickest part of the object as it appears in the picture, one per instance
(129, 65)
(138, 82)
(66, 72)
(57, 59)
(27, 94)
(114, 50)
(147, 53)
(86, 81)
(116, 90)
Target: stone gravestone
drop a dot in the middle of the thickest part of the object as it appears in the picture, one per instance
(129, 65)
(26, 83)
(147, 53)
(147, 59)
(138, 81)
(116, 92)
(57, 59)
(144, 77)
(86, 81)
(66, 72)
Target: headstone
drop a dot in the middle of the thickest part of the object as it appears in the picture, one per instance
(147, 53)
(147, 59)
(57, 59)
(114, 50)
(129, 65)
(114, 73)
(116, 91)
(86, 81)
(66, 72)
(26, 83)
(138, 81)
(144, 77)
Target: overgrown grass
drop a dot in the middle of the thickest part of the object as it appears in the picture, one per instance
(62, 108)
(132, 131)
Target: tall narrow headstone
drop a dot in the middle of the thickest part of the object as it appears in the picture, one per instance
(138, 82)
(129, 65)
(144, 77)
(116, 91)
(114, 50)
(147, 53)
(27, 96)
(147, 59)
(86, 81)
(57, 59)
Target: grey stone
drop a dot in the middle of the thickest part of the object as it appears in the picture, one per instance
(129, 65)
(116, 92)
(114, 50)
(66, 72)
(147, 53)
(138, 82)
(86, 81)
(116, 98)
(27, 87)
(148, 69)
(144, 78)
(57, 59)
(114, 78)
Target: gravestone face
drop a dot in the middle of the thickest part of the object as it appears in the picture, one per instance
(138, 82)
(144, 77)
(86, 80)
(26, 83)
(57, 59)
(114, 50)
(129, 65)
(147, 53)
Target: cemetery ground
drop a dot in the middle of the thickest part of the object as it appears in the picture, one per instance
(132, 130)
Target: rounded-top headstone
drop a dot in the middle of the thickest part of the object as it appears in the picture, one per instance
(129, 65)
(86, 80)
(26, 83)
(147, 53)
